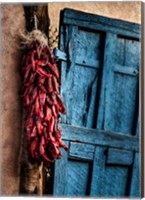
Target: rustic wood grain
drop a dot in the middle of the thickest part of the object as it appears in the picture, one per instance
(99, 137)
(61, 175)
(82, 19)
(99, 86)
(135, 190)
(119, 157)
(41, 12)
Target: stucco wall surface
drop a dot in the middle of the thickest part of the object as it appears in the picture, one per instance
(128, 11)
(12, 22)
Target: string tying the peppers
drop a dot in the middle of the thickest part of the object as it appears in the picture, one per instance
(42, 102)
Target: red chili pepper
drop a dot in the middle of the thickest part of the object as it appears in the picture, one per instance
(49, 85)
(42, 88)
(37, 108)
(58, 135)
(33, 95)
(27, 73)
(41, 80)
(46, 158)
(29, 122)
(48, 113)
(49, 101)
(60, 103)
(61, 144)
(41, 72)
(42, 98)
(53, 97)
(31, 79)
(45, 124)
(55, 114)
(41, 114)
(39, 127)
(42, 145)
(53, 69)
(56, 149)
(51, 137)
(31, 113)
(34, 131)
(60, 109)
(55, 84)
(26, 68)
(27, 101)
(45, 132)
(30, 88)
(33, 146)
(51, 124)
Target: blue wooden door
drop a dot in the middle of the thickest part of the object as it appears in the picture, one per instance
(99, 86)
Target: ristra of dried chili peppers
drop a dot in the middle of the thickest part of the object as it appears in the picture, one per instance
(42, 103)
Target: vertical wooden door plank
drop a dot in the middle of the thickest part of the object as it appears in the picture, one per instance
(107, 79)
(109, 62)
(97, 183)
(60, 174)
(125, 103)
(138, 126)
(68, 72)
(135, 190)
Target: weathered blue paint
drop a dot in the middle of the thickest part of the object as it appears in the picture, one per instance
(98, 172)
(119, 157)
(99, 86)
(99, 137)
(122, 85)
(61, 175)
(135, 179)
(104, 24)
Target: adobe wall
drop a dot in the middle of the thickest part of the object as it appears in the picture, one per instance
(11, 114)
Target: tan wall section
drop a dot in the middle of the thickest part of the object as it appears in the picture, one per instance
(12, 21)
(128, 11)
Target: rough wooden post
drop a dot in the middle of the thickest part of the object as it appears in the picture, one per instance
(31, 180)
(40, 180)
(41, 12)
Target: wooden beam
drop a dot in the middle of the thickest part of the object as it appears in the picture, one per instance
(41, 12)
(99, 137)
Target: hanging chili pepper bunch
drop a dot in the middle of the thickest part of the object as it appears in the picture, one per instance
(42, 102)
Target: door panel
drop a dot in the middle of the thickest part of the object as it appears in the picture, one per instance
(84, 63)
(115, 181)
(78, 174)
(123, 91)
(128, 51)
(99, 87)
(123, 103)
